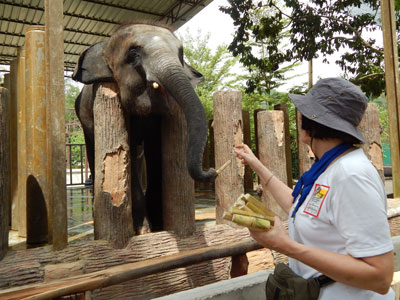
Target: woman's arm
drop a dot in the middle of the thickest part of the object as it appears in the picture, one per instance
(371, 273)
(280, 191)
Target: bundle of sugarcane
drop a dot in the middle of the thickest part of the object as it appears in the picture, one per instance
(250, 212)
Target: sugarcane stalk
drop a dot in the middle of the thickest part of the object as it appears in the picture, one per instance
(252, 223)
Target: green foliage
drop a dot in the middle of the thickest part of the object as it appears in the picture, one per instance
(313, 28)
(216, 67)
(383, 117)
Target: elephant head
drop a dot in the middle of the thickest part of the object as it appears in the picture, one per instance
(146, 62)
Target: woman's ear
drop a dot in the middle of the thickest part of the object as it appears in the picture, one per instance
(195, 76)
(91, 66)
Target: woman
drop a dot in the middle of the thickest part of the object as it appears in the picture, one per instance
(337, 212)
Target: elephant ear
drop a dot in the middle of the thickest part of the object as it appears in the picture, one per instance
(91, 66)
(195, 76)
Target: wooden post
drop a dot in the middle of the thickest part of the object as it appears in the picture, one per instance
(248, 173)
(13, 136)
(306, 156)
(392, 88)
(310, 74)
(177, 185)
(228, 131)
(56, 120)
(4, 171)
(212, 144)
(112, 188)
(371, 130)
(19, 213)
(271, 141)
(39, 214)
(256, 127)
(284, 108)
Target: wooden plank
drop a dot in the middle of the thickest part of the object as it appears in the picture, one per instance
(248, 173)
(113, 220)
(271, 141)
(392, 88)
(54, 39)
(228, 131)
(177, 185)
(5, 185)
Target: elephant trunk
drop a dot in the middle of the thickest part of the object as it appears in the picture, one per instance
(177, 84)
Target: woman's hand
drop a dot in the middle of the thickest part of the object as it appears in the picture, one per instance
(276, 239)
(246, 156)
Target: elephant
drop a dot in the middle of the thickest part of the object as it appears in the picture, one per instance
(146, 61)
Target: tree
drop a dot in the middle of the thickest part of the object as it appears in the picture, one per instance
(216, 66)
(314, 28)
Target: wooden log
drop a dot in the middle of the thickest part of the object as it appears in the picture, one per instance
(228, 132)
(13, 136)
(5, 179)
(177, 185)
(28, 266)
(119, 274)
(112, 193)
(284, 108)
(248, 173)
(39, 213)
(371, 130)
(19, 216)
(271, 141)
(56, 119)
(256, 111)
(392, 87)
(306, 156)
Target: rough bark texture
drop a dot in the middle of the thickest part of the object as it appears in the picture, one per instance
(112, 194)
(248, 173)
(177, 185)
(271, 141)
(371, 130)
(4, 171)
(304, 151)
(392, 88)
(284, 108)
(32, 265)
(228, 131)
(56, 119)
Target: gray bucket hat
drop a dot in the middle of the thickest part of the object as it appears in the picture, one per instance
(335, 103)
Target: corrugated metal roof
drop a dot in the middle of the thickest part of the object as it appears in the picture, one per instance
(87, 21)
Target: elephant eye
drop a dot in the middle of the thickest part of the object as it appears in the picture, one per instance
(133, 54)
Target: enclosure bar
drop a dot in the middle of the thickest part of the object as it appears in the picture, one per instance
(4, 171)
(392, 88)
(228, 131)
(126, 272)
(19, 217)
(56, 123)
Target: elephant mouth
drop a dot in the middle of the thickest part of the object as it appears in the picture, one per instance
(160, 99)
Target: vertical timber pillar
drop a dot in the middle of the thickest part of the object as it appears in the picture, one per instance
(56, 120)
(4, 171)
(248, 173)
(284, 108)
(228, 132)
(177, 185)
(392, 88)
(20, 211)
(37, 189)
(13, 137)
(112, 188)
(371, 130)
(271, 141)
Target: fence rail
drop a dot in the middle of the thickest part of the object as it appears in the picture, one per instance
(77, 167)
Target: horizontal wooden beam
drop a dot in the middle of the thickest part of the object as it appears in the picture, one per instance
(126, 272)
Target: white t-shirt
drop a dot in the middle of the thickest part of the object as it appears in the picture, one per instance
(345, 212)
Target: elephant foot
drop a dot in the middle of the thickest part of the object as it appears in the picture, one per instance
(143, 228)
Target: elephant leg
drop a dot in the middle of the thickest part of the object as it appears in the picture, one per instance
(152, 150)
(139, 211)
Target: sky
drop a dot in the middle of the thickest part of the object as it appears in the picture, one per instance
(220, 26)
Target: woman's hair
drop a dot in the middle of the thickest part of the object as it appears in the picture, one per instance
(320, 131)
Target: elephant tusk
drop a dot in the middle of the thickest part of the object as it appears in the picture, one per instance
(155, 85)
